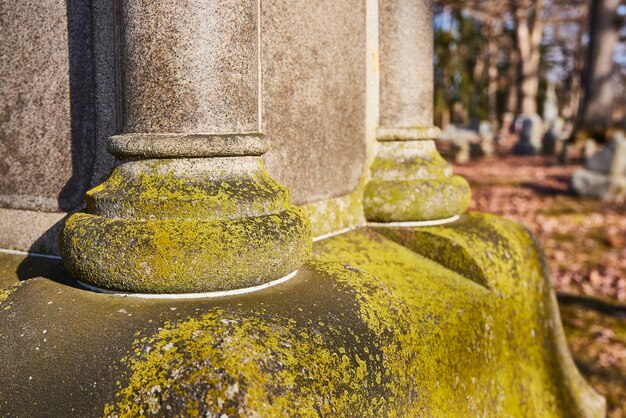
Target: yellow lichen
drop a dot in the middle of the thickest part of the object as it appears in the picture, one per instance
(415, 200)
(4, 294)
(381, 331)
(185, 232)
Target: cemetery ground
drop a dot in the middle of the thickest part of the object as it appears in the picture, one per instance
(585, 244)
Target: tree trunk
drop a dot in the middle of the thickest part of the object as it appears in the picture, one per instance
(512, 98)
(492, 78)
(529, 31)
(595, 114)
(574, 89)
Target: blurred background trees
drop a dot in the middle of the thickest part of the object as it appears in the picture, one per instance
(497, 60)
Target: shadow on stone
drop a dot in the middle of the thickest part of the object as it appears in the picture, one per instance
(40, 265)
(83, 147)
(82, 103)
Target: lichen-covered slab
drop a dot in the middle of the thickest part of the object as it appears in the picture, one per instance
(378, 323)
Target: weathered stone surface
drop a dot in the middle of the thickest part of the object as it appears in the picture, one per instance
(15, 268)
(190, 68)
(611, 159)
(409, 177)
(313, 97)
(29, 230)
(313, 57)
(189, 206)
(406, 63)
(106, 103)
(599, 185)
(531, 135)
(409, 160)
(410, 181)
(187, 146)
(410, 200)
(371, 326)
(47, 121)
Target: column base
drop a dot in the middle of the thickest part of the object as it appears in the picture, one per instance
(415, 200)
(410, 181)
(185, 225)
(184, 256)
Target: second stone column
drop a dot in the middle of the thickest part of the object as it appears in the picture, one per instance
(410, 181)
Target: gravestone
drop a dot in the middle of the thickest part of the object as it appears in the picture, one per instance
(531, 133)
(550, 106)
(553, 123)
(552, 140)
(604, 175)
(196, 284)
(487, 138)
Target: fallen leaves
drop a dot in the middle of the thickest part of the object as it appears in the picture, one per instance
(584, 240)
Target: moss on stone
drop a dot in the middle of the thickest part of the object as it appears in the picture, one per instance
(409, 161)
(381, 331)
(184, 256)
(4, 293)
(158, 191)
(410, 181)
(411, 200)
(5, 304)
(245, 366)
(186, 226)
(335, 214)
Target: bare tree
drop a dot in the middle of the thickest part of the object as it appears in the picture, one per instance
(529, 25)
(595, 115)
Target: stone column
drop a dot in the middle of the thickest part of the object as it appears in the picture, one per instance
(410, 181)
(189, 206)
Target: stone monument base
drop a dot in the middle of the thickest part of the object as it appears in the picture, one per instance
(451, 320)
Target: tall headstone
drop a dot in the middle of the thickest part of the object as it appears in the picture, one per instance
(550, 106)
(487, 138)
(552, 140)
(553, 123)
